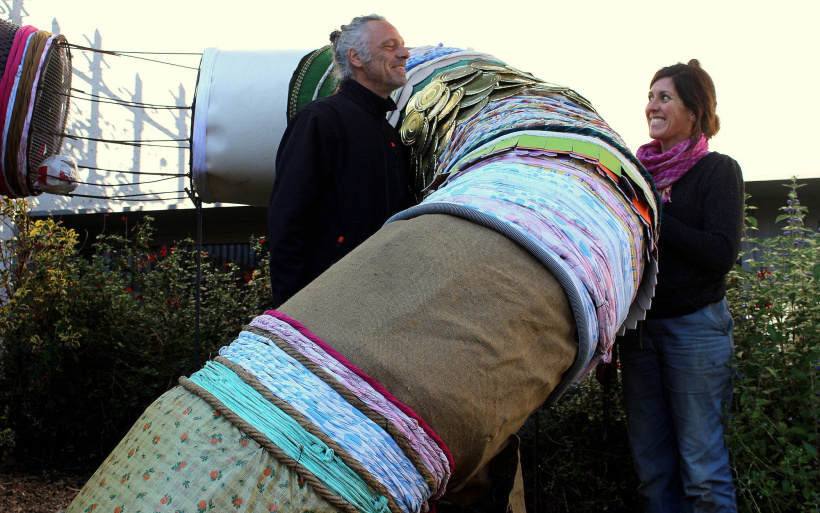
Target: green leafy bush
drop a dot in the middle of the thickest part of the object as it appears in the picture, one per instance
(88, 342)
(773, 429)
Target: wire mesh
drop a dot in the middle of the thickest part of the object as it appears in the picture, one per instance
(51, 107)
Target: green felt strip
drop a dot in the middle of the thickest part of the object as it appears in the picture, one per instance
(610, 161)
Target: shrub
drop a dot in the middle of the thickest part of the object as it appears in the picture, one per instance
(88, 343)
(773, 429)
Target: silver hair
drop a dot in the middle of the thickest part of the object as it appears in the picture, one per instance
(353, 35)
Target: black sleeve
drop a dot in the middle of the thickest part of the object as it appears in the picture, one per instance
(715, 244)
(292, 203)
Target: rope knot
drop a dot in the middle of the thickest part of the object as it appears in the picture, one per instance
(381, 504)
(323, 450)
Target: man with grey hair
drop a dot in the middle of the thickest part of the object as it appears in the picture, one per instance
(341, 170)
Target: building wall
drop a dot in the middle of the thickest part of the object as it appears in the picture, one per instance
(769, 196)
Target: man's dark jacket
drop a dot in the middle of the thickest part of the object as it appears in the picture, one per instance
(341, 172)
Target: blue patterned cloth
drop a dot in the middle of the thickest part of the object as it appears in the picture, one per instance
(428, 53)
(368, 443)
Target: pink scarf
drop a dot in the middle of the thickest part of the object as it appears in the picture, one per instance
(666, 168)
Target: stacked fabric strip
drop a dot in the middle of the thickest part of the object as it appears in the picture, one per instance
(404, 426)
(282, 384)
(546, 169)
(26, 97)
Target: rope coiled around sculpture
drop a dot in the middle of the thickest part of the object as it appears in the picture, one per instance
(370, 453)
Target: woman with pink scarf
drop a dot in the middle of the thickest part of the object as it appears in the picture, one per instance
(677, 383)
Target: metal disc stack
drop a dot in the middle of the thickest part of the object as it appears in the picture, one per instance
(34, 101)
(454, 96)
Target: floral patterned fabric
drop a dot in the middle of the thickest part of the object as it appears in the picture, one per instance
(202, 463)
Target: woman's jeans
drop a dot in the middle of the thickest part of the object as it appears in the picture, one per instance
(677, 387)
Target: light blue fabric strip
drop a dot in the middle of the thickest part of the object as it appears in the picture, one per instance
(427, 55)
(288, 435)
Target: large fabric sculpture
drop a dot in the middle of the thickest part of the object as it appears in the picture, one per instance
(401, 375)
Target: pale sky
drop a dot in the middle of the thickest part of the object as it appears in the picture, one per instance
(761, 55)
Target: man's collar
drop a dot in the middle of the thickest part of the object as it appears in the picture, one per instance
(369, 100)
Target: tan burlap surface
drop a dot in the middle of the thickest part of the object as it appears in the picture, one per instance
(455, 320)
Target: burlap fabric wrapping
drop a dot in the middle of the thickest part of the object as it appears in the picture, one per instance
(460, 323)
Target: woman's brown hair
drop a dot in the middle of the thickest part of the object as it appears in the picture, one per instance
(696, 89)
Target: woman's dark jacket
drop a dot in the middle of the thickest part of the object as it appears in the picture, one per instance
(699, 237)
